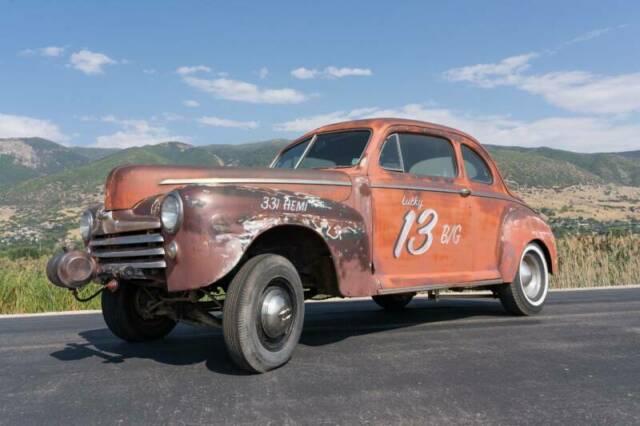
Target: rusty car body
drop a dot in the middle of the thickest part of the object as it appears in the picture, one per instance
(408, 207)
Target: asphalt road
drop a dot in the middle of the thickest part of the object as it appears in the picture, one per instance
(455, 361)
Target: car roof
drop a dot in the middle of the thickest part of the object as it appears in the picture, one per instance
(384, 122)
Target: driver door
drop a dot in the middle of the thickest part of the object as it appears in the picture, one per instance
(421, 214)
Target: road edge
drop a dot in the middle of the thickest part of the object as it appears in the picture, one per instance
(333, 299)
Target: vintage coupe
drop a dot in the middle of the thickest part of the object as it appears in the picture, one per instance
(383, 208)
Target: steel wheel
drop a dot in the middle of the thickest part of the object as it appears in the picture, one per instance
(532, 276)
(263, 313)
(277, 314)
(528, 292)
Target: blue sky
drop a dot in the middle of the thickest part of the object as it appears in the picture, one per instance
(559, 74)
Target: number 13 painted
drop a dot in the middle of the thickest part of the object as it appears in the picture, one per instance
(427, 220)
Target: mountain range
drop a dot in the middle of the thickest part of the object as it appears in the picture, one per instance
(35, 162)
(44, 185)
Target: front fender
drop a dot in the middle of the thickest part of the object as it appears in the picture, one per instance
(221, 222)
(521, 226)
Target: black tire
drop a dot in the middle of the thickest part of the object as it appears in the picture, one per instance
(246, 333)
(515, 297)
(393, 302)
(121, 315)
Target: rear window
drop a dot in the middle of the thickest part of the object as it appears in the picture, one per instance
(475, 166)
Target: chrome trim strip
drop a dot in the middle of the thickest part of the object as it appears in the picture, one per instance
(491, 195)
(220, 181)
(449, 191)
(495, 196)
(118, 226)
(129, 253)
(104, 267)
(415, 188)
(129, 239)
(437, 286)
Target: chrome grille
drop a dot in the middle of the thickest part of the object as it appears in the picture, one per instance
(117, 252)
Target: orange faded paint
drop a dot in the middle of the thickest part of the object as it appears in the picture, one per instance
(386, 231)
(128, 185)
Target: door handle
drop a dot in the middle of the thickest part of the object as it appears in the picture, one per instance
(465, 192)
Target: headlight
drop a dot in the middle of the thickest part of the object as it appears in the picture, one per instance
(86, 225)
(171, 212)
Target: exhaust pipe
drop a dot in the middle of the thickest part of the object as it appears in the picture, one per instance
(71, 269)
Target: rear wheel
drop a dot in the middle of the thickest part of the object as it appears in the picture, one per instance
(393, 302)
(528, 291)
(121, 311)
(263, 313)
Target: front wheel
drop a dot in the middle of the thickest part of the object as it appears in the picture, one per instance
(121, 311)
(528, 291)
(263, 313)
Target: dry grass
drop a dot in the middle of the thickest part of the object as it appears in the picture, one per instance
(598, 261)
(585, 261)
(24, 289)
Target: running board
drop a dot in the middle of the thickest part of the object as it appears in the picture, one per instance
(429, 287)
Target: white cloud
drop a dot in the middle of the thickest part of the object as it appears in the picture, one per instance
(590, 35)
(242, 91)
(347, 72)
(577, 91)
(135, 133)
(191, 103)
(303, 73)
(50, 51)
(53, 51)
(90, 63)
(263, 73)
(504, 72)
(18, 126)
(305, 124)
(590, 134)
(225, 122)
(149, 71)
(584, 92)
(192, 70)
(170, 116)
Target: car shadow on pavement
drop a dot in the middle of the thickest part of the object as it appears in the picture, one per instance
(325, 323)
(362, 317)
(184, 346)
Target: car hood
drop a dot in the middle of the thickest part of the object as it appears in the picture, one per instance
(126, 186)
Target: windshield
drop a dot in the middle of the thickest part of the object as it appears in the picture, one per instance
(289, 159)
(327, 150)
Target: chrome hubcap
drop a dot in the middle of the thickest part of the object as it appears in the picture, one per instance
(276, 313)
(531, 276)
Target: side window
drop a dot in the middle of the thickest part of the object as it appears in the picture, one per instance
(390, 155)
(290, 157)
(475, 166)
(427, 155)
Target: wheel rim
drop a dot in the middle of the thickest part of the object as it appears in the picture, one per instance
(533, 277)
(276, 313)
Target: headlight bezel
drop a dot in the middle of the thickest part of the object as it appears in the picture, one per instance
(87, 223)
(179, 212)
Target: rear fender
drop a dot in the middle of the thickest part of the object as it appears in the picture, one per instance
(521, 226)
